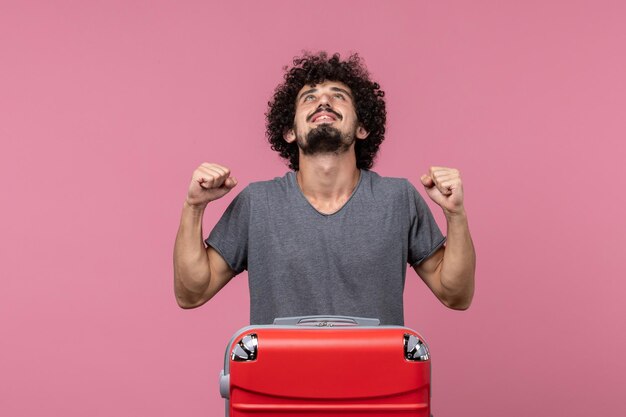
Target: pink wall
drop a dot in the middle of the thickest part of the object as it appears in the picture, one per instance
(106, 108)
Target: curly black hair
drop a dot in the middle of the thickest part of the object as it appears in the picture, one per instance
(312, 69)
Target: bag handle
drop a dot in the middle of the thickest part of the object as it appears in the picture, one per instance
(326, 321)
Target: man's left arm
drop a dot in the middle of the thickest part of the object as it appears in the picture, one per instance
(449, 272)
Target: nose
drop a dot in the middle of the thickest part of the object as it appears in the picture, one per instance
(324, 100)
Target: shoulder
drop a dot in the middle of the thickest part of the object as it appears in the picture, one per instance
(389, 186)
(273, 187)
(396, 192)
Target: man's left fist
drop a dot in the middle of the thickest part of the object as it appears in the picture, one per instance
(444, 187)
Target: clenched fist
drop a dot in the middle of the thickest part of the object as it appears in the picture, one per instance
(445, 188)
(209, 182)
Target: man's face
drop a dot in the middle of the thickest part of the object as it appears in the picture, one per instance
(325, 119)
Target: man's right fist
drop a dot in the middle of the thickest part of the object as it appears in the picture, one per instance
(209, 182)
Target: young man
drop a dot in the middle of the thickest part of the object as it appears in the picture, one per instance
(331, 236)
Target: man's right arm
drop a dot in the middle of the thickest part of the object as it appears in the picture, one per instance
(199, 272)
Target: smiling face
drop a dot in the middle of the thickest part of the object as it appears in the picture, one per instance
(325, 119)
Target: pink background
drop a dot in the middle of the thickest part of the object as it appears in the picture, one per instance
(106, 108)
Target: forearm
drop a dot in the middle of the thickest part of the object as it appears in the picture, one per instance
(459, 263)
(191, 262)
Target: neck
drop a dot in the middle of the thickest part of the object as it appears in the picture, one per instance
(328, 178)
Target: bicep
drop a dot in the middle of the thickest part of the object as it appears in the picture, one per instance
(221, 273)
(429, 270)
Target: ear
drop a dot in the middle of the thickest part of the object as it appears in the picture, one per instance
(289, 136)
(361, 132)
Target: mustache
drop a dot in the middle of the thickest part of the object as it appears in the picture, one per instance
(324, 109)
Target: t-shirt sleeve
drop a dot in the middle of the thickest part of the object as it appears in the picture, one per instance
(229, 237)
(425, 237)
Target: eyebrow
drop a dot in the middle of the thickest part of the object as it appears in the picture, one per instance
(314, 90)
(341, 90)
(304, 93)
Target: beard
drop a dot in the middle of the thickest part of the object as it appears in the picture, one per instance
(326, 139)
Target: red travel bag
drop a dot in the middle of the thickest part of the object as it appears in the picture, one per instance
(326, 366)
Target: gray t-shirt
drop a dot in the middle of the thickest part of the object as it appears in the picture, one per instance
(302, 262)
